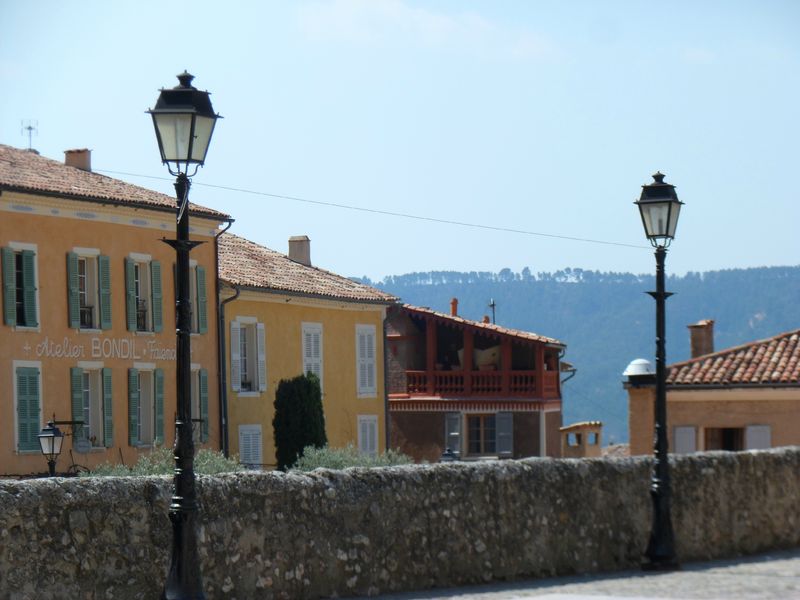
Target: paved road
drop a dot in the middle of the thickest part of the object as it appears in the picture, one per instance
(766, 576)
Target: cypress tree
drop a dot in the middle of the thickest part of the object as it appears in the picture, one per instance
(299, 419)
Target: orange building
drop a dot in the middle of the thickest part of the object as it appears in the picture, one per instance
(285, 317)
(740, 398)
(88, 310)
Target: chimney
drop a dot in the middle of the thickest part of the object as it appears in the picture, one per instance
(80, 159)
(300, 249)
(486, 319)
(454, 307)
(701, 335)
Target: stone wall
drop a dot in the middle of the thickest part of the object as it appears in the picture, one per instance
(271, 535)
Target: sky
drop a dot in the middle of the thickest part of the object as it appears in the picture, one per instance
(510, 134)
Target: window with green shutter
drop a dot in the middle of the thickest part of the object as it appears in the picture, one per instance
(28, 409)
(108, 407)
(159, 406)
(104, 279)
(133, 407)
(143, 295)
(19, 287)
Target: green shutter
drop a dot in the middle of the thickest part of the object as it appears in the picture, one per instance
(130, 294)
(73, 295)
(76, 394)
(9, 287)
(108, 416)
(104, 279)
(202, 304)
(28, 408)
(203, 385)
(29, 287)
(159, 405)
(155, 280)
(133, 407)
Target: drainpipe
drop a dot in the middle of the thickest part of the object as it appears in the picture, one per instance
(223, 397)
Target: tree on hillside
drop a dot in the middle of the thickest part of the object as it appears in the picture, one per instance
(299, 419)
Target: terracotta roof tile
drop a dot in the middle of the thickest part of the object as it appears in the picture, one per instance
(766, 362)
(245, 263)
(26, 171)
(487, 326)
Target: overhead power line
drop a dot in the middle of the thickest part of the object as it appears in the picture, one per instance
(389, 213)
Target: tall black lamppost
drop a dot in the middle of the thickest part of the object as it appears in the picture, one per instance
(660, 207)
(184, 122)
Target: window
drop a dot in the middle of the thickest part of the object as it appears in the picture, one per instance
(145, 406)
(27, 395)
(143, 293)
(199, 394)
(312, 349)
(19, 285)
(250, 446)
(88, 289)
(365, 361)
(725, 438)
(248, 355)
(368, 434)
(91, 391)
(481, 434)
(490, 434)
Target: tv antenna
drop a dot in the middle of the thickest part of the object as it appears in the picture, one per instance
(31, 126)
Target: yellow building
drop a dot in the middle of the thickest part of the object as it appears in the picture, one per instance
(741, 398)
(283, 317)
(88, 312)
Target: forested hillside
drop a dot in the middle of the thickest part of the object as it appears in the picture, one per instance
(607, 320)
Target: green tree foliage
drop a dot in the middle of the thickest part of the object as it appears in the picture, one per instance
(299, 420)
(161, 461)
(344, 458)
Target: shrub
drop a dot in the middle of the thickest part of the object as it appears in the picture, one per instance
(160, 461)
(299, 419)
(343, 458)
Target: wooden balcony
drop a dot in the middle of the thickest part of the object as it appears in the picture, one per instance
(481, 383)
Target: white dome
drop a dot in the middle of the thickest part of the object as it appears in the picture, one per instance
(639, 366)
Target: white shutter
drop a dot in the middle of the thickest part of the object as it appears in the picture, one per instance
(757, 437)
(368, 434)
(236, 373)
(452, 434)
(684, 439)
(250, 445)
(365, 360)
(504, 423)
(312, 349)
(262, 357)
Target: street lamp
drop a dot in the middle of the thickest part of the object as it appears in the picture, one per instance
(50, 440)
(184, 121)
(659, 207)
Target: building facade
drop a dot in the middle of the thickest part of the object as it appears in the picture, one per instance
(284, 317)
(474, 388)
(741, 398)
(88, 337)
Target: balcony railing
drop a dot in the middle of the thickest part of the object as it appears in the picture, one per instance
(481, 383)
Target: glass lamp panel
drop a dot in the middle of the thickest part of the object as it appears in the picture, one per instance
(174, 131)
(57, 440)
(655, 216)
(673, 218)
(46, 443)
(203, 128)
